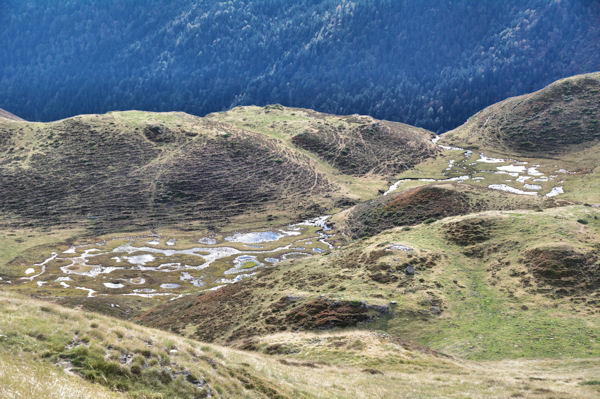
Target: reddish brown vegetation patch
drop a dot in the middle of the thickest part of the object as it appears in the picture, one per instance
(240, 311)
(469, 231)
(430, 203)
(322, 313)
(213, 314)
(407, 208)
(566, 268)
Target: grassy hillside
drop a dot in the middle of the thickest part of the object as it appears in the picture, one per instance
(355, 145)
(475, 274)
(7, 115)
(560, 118)
(482, 286)
(121, 212)
(557, 128)
(49, 351)
(139, 170)
(427, 204)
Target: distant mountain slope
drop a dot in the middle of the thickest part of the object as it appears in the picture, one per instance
(563, 117)
(7, 115)
(144, 169)
(429, 64)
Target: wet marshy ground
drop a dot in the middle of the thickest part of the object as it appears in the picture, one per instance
(513, 176)
(156, 266)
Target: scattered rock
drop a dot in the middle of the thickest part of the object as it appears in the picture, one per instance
(372, 371)
(399, 247)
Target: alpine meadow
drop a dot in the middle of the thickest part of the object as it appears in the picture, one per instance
(308, 199)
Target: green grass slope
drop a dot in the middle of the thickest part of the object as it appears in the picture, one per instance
(482, 286)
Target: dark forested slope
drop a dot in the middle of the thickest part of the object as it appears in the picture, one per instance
(430, 64)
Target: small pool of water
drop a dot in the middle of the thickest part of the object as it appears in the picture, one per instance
(254, 238)
(532, 187)
(169, 286)
(555, 191)
(114, 285)
(512, 168)
(139, 260)
(509, 189)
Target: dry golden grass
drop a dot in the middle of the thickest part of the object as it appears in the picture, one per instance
(350, 364)
(22, 377)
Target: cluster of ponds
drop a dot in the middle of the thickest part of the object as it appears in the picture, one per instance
(153, 266)
(513, 176)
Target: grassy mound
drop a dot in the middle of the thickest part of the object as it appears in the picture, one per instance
(384, 148)
(7, 115)
(564, 267)
(354, 145)
(548, 122)
(430, 203)
(470, 231)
